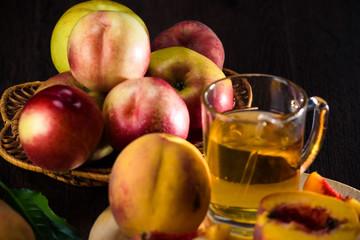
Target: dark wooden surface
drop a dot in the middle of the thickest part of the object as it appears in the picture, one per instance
(316, 44)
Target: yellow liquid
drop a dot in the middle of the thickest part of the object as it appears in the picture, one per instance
(249, 161)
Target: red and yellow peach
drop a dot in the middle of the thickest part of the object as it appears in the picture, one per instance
(106, 48)
(159, 182)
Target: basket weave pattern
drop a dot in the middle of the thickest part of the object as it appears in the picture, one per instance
(11, 103)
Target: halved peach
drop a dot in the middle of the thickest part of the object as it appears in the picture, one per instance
(317, 183)
(305, 215)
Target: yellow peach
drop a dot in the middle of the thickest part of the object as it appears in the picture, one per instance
(13, 225)
(305, 215)
(105, 227)
(62, 29)
(317, 183)
(159, 182)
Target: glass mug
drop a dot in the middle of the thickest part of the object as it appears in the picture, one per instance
(253, 130)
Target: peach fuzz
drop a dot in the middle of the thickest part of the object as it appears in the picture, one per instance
(194, 35)
(106, 48)
(60, 127)
(159, 182)
(62, 29)
(64, 78)
(189, 72)
(143, 105)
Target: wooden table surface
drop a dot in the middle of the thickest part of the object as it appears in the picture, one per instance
(316, 44)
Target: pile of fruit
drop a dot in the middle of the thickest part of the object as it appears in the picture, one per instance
(142, 99)
(316, 212)
(132, 86)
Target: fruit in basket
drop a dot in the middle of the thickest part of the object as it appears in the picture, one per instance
(12, 225)
(189, 73)
(143, 105)
(159, 182)
(305, 215)
(62, 29)
(194, 35)
(106, 48)
(60, 127)
(64, 78)
(67, 79)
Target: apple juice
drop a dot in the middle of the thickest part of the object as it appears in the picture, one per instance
(249, 159)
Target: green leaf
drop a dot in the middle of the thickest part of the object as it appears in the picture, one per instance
(34, 207)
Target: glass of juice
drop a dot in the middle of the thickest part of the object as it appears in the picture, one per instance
(253, 131)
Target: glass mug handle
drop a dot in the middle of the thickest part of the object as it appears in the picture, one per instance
(317, 133)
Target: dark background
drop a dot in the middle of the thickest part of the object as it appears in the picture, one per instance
(316, 44)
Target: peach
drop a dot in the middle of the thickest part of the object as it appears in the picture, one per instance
(105, 227)
(317, 183)
(355, 204)
(12, 225)
(159, 182)
(60, 127)
(214, 232)
(305, 215)
(106, 48)
(62, 29)
(166, 236)
(194, 35)
(189, 72)
(66, 79)
(143, 105)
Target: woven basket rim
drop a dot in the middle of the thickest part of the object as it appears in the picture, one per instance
(82, 176)
(17, 96)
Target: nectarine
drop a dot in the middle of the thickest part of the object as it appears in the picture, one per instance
(143, 105)
(60, 127)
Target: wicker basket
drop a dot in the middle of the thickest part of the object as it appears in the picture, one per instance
(11, 103)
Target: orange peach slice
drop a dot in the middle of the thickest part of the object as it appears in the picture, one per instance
(317, 183)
